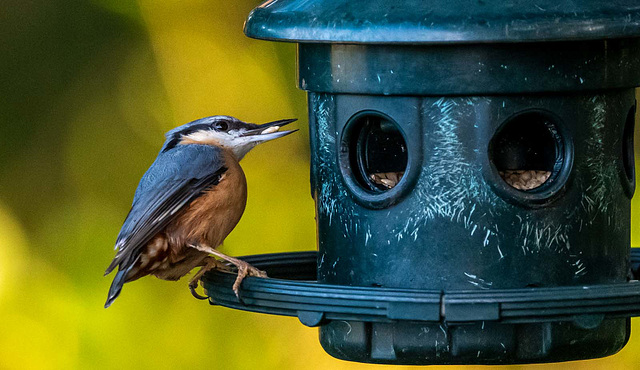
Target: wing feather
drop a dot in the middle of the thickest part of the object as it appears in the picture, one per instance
(173, 181)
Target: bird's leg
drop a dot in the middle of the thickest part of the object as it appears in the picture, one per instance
(244, 268)
(210, 263)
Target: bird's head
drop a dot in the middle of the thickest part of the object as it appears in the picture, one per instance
(226, 132)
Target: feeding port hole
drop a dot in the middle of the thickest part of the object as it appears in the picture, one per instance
(526, 150)
(378, 152)
(627, 145)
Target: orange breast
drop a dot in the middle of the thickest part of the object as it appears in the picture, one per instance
(212, 216)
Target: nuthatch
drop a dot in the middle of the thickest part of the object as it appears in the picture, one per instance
(187, 203)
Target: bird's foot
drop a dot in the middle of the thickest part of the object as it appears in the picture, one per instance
(211, 263)
(244, 270)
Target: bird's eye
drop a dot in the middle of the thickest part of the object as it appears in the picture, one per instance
(222, 126)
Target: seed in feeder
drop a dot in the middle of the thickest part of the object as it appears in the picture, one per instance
(392, 176)
(388, 183)
(543, 175)
(525, 179)
(386, 179)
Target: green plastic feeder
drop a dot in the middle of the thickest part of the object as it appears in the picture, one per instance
(472, 167)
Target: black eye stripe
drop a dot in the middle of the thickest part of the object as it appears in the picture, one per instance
(176, 137)
(193, 129)
(223, 126)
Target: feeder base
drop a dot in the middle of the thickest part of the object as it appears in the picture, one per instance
(488, 343)
(429, 327)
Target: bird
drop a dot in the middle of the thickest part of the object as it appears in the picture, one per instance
(188, 201)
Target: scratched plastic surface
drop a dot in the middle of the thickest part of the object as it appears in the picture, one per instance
(453, 223)
(442, 21)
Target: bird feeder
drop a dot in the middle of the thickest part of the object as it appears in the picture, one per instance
(472, 167)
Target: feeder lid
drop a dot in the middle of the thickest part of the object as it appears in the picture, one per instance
(443, 21)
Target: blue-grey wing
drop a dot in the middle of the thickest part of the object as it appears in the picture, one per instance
(176, 178)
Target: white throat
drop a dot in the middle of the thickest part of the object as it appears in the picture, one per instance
(238, 145)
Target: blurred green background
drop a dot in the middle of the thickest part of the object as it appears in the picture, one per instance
(87, 89)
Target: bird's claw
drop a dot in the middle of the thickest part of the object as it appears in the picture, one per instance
(193, 285)
(245, 270)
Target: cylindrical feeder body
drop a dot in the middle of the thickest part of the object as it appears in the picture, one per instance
(459, 145)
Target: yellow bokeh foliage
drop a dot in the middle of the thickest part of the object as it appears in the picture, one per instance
(89, 88)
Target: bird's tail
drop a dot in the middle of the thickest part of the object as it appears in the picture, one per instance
(116, 285)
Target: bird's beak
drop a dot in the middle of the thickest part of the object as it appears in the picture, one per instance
(268, 131)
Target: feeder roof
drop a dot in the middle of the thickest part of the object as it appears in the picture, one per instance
(443, 21)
